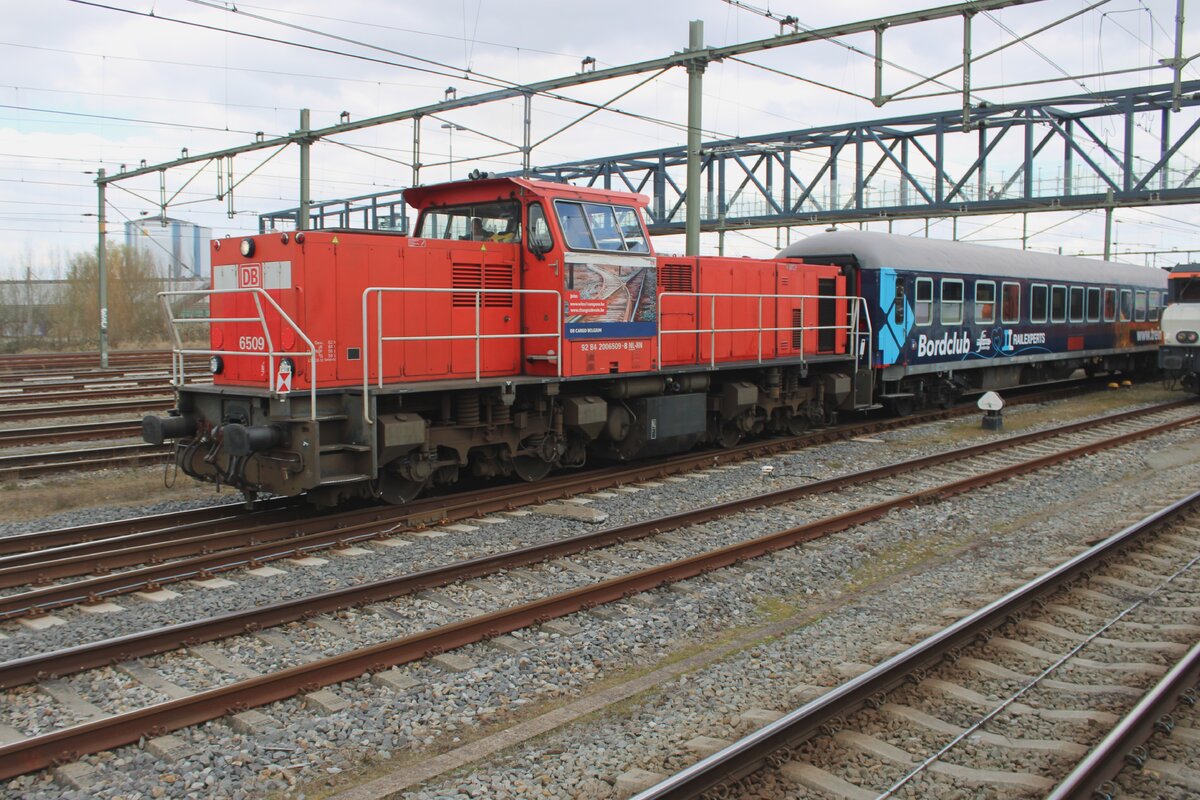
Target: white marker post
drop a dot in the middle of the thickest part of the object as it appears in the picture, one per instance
(991, 404)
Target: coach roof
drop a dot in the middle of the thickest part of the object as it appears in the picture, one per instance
(884, 250)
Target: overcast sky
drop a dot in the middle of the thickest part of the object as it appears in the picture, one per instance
(90, 84)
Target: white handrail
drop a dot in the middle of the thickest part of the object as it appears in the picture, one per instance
(477, 337)
(178, 352)
(853, 334)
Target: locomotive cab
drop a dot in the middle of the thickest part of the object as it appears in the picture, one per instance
(1179, 356)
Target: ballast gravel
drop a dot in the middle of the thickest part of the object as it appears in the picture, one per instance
(1012, 526)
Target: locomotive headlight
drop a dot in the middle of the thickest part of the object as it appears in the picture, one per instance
(247, 247)
(286, 365)
(216, 364)
(1187, 337)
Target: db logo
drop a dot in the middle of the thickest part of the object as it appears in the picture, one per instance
(250, 276)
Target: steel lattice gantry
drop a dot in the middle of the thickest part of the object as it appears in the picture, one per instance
(1096, 150)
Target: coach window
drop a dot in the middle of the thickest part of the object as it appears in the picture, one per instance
(1139, 306)
(1155, 305)
(1075, 307)
(898, 304)
(923, 314)
(1126, 305)
(951, 311)
(1058, 304)
(1010, 302)
(1039, 302)
(1110, 305)
(1093, 305)
(985, 302)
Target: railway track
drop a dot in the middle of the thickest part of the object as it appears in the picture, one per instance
(90, 409)
(24, 362)
(50, 462)
(1070, 652)
(159, 389)
(648, 553)
(77, 432)
(208, 547)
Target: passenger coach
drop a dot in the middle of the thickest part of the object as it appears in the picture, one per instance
(952, 318)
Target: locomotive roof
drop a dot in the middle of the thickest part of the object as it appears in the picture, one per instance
(884, 250)
(484, 189)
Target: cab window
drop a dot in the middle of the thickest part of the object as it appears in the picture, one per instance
(951, 311)
(631, 229)
(1010, 302)
(539, 239)
(985, 302)
(478, 222)
(923, 314)
(1184, 289)
(599, 226)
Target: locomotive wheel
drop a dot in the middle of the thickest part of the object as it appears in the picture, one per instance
(730, 435)
(798, 424)
(901, 406)
(531, 468)
(397, 490)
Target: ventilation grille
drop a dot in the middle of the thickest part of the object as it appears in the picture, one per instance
(477, 276)
(676, 278)
(797, 333)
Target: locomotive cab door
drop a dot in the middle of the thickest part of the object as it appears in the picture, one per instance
(541, 261)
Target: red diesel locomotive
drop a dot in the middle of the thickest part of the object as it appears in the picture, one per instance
(524, 326)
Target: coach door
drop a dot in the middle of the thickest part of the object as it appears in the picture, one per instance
(827, 315)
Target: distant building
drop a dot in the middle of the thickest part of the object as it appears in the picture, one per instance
(178, 248)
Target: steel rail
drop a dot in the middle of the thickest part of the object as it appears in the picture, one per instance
(752, 752)
(167, 521)
(69, 660)
(1108, 757)
(69, 743)
(115, 358)
(54, 397)
(77, 432)
(49, 462)
(17, 390)
(90, 409)
(37, 569)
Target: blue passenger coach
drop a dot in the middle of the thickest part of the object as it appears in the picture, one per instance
(953, 318)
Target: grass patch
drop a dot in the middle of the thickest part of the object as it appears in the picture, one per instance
(897, 558)
(26, 500)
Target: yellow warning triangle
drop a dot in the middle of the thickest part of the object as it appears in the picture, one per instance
(335, 239)
(483, 248)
